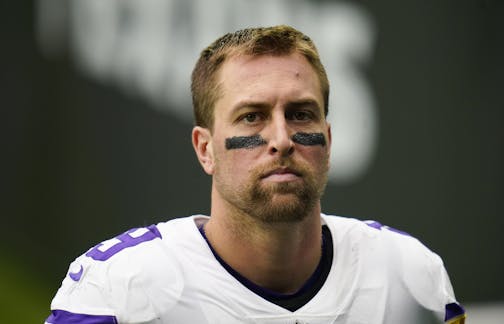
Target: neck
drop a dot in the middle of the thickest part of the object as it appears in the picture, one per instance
(277, 256)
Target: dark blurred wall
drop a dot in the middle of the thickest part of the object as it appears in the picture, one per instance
(82, 162)
(438, 76)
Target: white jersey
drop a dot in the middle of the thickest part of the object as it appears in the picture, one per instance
(168, 274)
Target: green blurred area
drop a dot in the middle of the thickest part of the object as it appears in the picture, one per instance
(25, 296)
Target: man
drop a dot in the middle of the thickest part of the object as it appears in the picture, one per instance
(267, 254)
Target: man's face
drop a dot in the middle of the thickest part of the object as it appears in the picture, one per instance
(270, 141)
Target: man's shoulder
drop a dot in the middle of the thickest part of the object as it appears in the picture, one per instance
(145, 247)
(407, 261)
(132, 263)
(397, 249)
(370, 230)
(143, 242)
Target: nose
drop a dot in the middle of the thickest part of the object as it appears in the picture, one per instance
(280, 141)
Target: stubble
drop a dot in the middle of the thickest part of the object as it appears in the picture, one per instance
(277, 202)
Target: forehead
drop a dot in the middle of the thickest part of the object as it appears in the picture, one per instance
(268, 77)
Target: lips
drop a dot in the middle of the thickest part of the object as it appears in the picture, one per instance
(281, 172)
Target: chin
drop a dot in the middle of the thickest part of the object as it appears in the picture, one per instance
(282, 208)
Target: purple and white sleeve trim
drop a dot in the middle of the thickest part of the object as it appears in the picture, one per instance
(65, 317)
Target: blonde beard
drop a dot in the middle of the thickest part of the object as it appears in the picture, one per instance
(276, 202)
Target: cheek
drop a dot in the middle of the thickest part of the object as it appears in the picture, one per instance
(316, 155)
(234, 163)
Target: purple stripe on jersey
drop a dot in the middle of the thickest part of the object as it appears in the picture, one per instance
(63, 317)
(374, 224)
(453, 310)
(397, 231)
(379, 226)
(125, 241)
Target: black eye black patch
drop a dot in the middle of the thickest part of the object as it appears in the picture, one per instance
(247, 142)
(309, 139)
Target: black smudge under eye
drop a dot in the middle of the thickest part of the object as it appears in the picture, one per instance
(248, 142)
(309, 139)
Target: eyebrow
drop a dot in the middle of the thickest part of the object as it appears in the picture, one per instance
(249, 104)
(263, 105)
(304, 103)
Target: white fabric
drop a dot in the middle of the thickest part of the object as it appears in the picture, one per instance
(377, 276)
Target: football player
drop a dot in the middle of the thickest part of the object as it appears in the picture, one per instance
(267, 253)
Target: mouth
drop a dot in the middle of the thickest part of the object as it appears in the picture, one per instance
(282, 174)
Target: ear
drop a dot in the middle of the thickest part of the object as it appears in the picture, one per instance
(329, 139)
(329, 142)
(202, 144)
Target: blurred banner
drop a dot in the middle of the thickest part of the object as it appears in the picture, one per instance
(97, 121)
(148, 48)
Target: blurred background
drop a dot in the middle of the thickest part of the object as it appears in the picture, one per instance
(96, 122)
